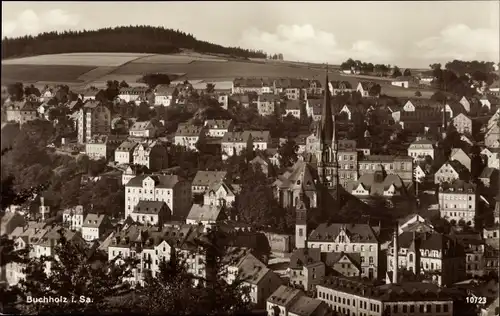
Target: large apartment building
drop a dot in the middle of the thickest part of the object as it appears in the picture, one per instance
(93, 119)
(399, 165)
(171, 189)
(458, 201)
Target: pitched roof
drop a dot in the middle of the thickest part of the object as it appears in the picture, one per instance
(376, 186)
(332, 258)
(252, 270)
(93, 220)
(257, 136)
(22, 106)
(268, 97)
(235, 137)
(208, 178)
(201, 213)
(341, 84)
(218, 124)
(304, 256)
(188, 130)
(487, 172)
(293, 105)
(161, 181)
(127, 146)
(149, 207)
(141, 126)
(306, 306)
(284, 295)
(360, 233)
(164, 90)
(422, 141)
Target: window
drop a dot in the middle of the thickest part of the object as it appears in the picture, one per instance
(411, 257)
(429, 308)
(370, 260)
(301, 232)
(395, 309)
(438, 308)
(412, 308)
(405, 308)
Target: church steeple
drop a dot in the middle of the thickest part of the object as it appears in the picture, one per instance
(326, 126)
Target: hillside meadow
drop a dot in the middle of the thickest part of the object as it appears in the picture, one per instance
(96, 68)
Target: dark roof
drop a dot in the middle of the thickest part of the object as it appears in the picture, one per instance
(208, 178)
(218, 124)
(188, 130)
(408, 291)
(149, 207)
(293, 105)
(268, 97)
(332, 258)
(284, 295)
(458, 186)
(307, 306)
(161, 181)
(385, 158)
(341, 84)
(357, 233)
(304, 256)
(429, 241)
(93, 220)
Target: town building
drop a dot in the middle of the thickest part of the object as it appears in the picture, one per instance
(267, 104)
(492, 157)
(21, 112)
(351, 239)
(281, 301)
(145, 129)
(132, 94)
(171, 189)
(433, 256)
(261, 140)
(451, 171)
(462, 157)
(151, 213)
(217, 128)
(234, 144)
(151, 154)
(293, 108)
(421, 148)
(307, 306)
(124, 154)
(398, 165)
(306, 270)
(405, 82)
(204, 180)
(458, 201)
(102, 146)
(73, 217)
(256, 276)
(340, 87)
(220, 193)
(95, 226)
(462, 123)
(365, 88)
(205, 215)
(165, 95)
(492, 136)
(188, 136)
(354, 297)
(93, 119)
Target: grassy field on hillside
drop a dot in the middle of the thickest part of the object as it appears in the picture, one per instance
(34, 73)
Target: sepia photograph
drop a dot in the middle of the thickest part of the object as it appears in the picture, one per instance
(267, 158)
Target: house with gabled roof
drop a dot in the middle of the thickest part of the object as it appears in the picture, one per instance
(188, 135)
(306, 269)
(281, 301)
(102, 146)
(267, 104)
(450, 171)
(124, 154)
(339, 87)
(152, 155)
(151, 213)
(462, 123)
(364, 88)
(220, 193)
(461, 156)
(421, 148)
(354, 113)
(350, 238)
(261, 162)
(95, 226)
(340, 263)
(217, 128)
(458, 201)
(492, 156)
(204, 179)
(260, 140)
(144, 129)
(21, 111)
(293, 108)
(165, 95)
(307, 306)
(235, 143)
(405, 82)
(205, 215)
(492, 137)
(379, 184)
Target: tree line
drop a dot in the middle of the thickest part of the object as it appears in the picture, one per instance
(131, 39)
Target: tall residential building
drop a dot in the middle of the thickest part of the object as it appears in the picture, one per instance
(171, 189)
(458, 201)
(93, 119)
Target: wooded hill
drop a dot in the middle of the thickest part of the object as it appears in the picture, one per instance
(124, 39)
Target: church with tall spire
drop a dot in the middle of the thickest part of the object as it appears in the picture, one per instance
(326, 133)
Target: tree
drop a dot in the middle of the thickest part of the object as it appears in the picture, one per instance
(75, 272)
(407, 73)
(124, 84)
(288, 153)
(142, 113)
(418, 94)
(375, 90)
(153, 80)
(396, 72)
(29, 90)
(16, 91)
(112, 89)
(210, 88)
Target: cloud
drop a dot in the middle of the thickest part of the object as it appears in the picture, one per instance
(460, 42)
(31, 23)
(303, 42)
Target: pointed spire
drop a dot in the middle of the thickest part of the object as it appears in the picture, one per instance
(326, 131)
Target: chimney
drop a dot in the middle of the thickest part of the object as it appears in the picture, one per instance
(42, 201)
(396, 257)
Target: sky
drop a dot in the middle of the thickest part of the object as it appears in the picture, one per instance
(402, 33)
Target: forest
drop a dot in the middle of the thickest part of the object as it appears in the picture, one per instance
(125, 39)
